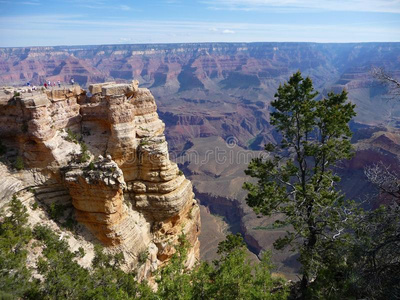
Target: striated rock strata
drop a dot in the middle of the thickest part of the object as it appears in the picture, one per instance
(107, 149)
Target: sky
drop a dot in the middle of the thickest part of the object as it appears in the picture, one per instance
(93, 22)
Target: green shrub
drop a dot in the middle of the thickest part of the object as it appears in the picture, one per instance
(72, 136)
(35, 205)
(85, 156)
(15, 278)
(80, 252)
(143, 257)
(231, 277)
(70, 223)
(56, 211)
(19, 163)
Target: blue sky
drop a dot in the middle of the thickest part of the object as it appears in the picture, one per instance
(74, 22)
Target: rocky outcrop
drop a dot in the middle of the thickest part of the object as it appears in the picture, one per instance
(107, 149)
(32, 120)
(97, 195)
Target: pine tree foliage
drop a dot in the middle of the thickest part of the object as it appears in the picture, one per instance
(15, 277)
(297, 180)
(375, 253)
(230, 277)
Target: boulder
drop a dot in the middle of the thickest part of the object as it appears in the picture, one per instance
(97, 87)
(117, 89)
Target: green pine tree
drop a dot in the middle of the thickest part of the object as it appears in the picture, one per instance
(15, 277)
(297, 179)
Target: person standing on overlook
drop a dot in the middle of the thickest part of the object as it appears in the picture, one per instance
(72, 81)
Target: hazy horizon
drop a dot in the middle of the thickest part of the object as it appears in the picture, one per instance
(194, 43)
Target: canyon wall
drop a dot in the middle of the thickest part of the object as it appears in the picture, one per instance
(215, 89)
(212, 97)
(105, 149)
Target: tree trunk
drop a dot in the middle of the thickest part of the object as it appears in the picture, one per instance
(305, 280)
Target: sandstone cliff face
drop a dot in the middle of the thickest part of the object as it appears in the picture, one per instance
(32, 123)
(107, 149)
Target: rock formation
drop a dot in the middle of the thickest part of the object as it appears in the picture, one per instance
(107, 149)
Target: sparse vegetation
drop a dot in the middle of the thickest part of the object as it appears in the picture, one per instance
(85, 155)
(144, 142)
(70, 223)
(77, 139)
(35, 205)
(81, 252)
(56, 211)
(91, 165)
(269, 226)
(144, 129)
(143, 256)
(19, 163)
(72, 136)
(231, 277)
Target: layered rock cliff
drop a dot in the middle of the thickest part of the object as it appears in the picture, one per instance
(105, 151)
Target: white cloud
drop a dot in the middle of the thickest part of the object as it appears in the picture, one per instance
(390, 6)
(125, 40)
(81, 30)
(100, 5)
(33, 2)
(29, 3)
(125, 7)
(224, 31)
